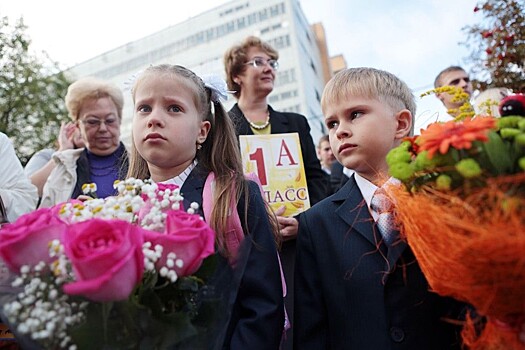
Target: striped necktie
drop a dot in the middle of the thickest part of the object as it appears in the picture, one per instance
(382, 205)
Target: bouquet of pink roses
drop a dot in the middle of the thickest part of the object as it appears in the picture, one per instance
(121, 272)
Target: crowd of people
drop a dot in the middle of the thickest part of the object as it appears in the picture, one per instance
(347, 285)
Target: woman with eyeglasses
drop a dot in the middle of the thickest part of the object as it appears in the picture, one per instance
(95, 106)
(251, 69)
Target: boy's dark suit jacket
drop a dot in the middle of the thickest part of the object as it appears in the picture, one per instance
(351, 292)
(282, 123)
(251, 308)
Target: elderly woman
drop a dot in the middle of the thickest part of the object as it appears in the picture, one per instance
(96, 107)
(250, 71)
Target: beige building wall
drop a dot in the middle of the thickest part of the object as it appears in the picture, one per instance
(338, 63)
(320, 38)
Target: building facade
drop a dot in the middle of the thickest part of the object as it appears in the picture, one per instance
(200, 42)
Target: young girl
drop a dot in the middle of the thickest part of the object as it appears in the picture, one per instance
(180, 134)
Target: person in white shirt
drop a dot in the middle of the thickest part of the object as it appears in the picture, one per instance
(17, 193)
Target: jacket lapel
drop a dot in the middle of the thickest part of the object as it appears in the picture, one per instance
(192, 188)
(394, 252)
(354, 211)
(279, 122)
(239, 121)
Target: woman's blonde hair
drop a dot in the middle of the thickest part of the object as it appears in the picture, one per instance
(236, 57)
(219, 153)
(90, 88)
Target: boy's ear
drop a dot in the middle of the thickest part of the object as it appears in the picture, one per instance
(440, 96)
(404, 123)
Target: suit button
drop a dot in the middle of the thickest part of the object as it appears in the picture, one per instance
(397, 334)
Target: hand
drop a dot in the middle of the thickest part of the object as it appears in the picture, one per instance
(84, 198)
(288, 226)
(65, 137)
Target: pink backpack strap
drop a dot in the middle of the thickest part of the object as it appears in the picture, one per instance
(234, 234)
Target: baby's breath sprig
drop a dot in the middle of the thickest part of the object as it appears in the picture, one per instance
(151, 256)
(42, 311)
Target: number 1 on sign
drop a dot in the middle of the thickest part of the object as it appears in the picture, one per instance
(258, 157)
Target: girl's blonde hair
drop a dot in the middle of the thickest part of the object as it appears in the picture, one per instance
(219, 153)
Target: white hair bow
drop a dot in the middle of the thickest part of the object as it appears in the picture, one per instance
(218, 87)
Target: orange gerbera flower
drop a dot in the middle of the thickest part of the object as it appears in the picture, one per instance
(460, 135)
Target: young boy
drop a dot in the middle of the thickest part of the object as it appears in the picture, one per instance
(352, 289)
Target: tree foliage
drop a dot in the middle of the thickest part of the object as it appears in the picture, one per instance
(497, 45)
(32, 90)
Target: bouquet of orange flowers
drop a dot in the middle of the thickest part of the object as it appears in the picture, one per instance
(462, 211)
(123, 272)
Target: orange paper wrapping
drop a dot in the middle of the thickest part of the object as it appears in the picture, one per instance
(473, 249)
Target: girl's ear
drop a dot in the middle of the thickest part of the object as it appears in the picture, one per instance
(203, 131)
(404, 123)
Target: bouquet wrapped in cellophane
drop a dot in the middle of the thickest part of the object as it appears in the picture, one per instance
(462, 211)
(123, 272)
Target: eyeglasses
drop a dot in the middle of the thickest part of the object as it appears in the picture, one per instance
(260, 62)
(94, 123)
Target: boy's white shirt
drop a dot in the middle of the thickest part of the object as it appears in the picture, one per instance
(368, 189)
(347, 172)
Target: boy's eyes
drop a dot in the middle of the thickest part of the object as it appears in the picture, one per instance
(331, 124)
(355, 115)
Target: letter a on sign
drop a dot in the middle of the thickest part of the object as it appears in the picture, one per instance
(278, 161)
(285, 152)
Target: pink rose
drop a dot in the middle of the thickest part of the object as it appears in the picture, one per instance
(107, 258)
(186, 235)
(26, 241)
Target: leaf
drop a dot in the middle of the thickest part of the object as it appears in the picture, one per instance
(208, 267)
(498, 155)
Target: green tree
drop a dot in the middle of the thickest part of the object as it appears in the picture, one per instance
(497, 45)
(32, 90)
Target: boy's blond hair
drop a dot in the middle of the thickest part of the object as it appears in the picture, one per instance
(369, 83)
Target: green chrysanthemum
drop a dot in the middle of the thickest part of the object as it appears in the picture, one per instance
(468, 168)
(520, 139)
(401, 171)
(521, 124)
(521, 163)
(510, 121)
(509, 133)
(398, 155)
(444, 182)
(422, 162)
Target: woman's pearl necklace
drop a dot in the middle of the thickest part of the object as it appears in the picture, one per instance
(260, 127)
